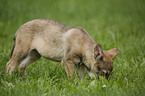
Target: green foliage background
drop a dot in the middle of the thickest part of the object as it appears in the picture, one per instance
(112, 23)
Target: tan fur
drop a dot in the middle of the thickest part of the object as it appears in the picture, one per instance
(58, 42)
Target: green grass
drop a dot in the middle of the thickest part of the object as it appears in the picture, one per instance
(112, 23)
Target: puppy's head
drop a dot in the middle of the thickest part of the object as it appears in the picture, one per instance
(103, 64)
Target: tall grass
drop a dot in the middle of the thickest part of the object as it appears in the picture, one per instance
(112, 23)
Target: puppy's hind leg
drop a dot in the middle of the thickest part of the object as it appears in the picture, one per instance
(17, 56)
(19, 51)
(32, 56)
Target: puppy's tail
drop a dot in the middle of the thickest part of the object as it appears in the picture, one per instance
(13, 46)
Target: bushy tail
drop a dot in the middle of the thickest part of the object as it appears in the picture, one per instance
(13, 46)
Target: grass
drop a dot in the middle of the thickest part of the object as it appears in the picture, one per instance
(112, 23)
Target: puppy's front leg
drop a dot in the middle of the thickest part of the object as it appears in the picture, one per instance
(68, 66)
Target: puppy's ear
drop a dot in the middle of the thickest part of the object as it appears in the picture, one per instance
(98, 52)
(113, 52)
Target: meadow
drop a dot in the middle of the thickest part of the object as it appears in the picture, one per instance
(112, 23)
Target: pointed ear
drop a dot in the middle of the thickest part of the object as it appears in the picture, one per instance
(98, 52)
(113, 52)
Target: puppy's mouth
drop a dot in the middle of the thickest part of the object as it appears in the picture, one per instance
(97, 74)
